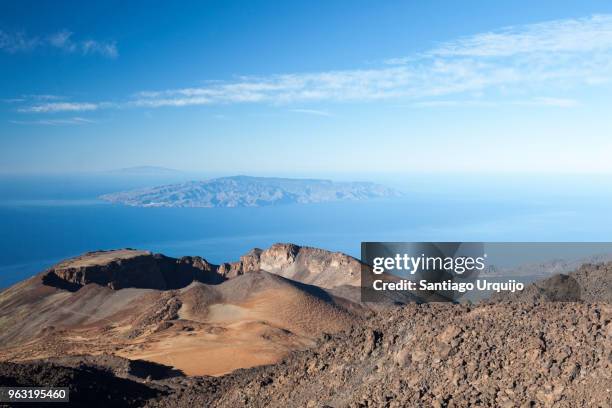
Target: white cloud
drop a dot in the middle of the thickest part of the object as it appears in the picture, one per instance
(398, 61)
(43, 97)
(94, 47)
(16, 42)
(13, 100)
(349, 85)
(549, 57)
(54, 122)
(60, 107)
(33, 98)
(62, 40)
(430, 79)
(589, 34)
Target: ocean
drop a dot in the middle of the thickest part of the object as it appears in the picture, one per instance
(44, 219)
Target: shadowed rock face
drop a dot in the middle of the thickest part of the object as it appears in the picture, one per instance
(129, 268)
(88, 386)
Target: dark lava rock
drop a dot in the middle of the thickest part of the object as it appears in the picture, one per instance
(88, 386)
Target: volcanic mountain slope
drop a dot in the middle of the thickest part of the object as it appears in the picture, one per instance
(528, 354)
(115, 303)
(439, 355)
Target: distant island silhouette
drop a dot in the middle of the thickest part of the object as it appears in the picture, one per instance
(245, 191)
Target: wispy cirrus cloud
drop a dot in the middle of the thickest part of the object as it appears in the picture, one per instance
(64, 40)
(43, 97)
(331, 86)
(62, 107)
(17, 42)
(590, 34)
(54, 122)
(550, 55)
(33, 98)
(530, 60)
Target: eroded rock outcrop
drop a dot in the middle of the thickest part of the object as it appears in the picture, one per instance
(304, 264)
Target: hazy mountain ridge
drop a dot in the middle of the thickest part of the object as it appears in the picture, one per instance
(245, 191)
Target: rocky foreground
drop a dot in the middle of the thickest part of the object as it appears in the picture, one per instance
(556, 354)
(439, 355)
(292, 338)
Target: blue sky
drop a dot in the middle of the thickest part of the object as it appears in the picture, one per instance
(307, 87)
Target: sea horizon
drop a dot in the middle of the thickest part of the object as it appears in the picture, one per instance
(49, 218)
